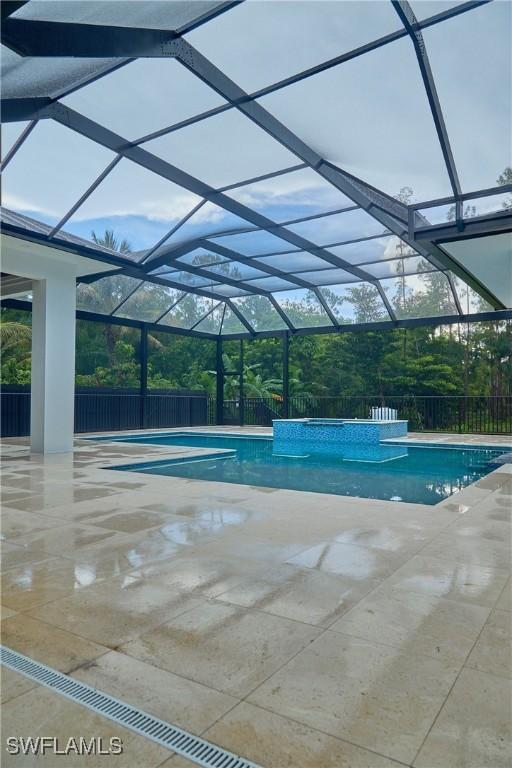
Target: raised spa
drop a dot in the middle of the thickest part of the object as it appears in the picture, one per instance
(337, 431)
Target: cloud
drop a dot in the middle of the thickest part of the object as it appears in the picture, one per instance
(152, 208)
(25, 205)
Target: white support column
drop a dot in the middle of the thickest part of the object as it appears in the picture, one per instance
(53, 364)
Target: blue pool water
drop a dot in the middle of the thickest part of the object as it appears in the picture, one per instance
(418, 474)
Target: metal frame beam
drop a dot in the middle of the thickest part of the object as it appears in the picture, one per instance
(110, 167)
(38, 37)
(385, 209)
(8, 7)
(452, 199)
(229, 253)
(216, 277)
(17, 144)
(240, 316)
(271, 271)
(55, 39)
(410, 22)
(385, 325)
(284, 317)
(130, 269)
(455, 294)
(20, 109)
(357, 191)
(207, 314)
(95, 317)
(391, 213)
(143, 373)
(318, 68)
(347, 56)
(101, 135)
(479, 226)
(15, 110)
(329, 245)
(388, 325)
(171, 232)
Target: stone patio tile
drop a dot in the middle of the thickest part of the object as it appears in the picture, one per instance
(16, 523)
(357, 563)
(68, 540)
(167, 696)
(223, 646)
(274, 741)
(493, 650)
(456, 581)
(505, 601)
(469, 550)
(473, 728)
(426, 624)
(378, 697)
(48, 644)
(41, 712)
(118, 610)
(306, 595)
(14, 555)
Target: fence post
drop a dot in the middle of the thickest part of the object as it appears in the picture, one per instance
(143, 374)
(220, 384)
(241, 384)
(286, 360)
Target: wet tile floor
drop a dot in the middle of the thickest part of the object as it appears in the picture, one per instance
(298, 630)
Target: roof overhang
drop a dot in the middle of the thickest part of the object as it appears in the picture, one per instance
(38, 261)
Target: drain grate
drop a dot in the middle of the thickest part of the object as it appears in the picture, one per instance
(167, 735)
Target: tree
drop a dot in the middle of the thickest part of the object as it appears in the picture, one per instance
(469, 212)
(367, 303)
(14, 334)
(106, 293)
(506, 178)
(110, 240)
(405, 195)
(15, 344)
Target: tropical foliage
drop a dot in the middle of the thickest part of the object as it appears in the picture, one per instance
(459, 359)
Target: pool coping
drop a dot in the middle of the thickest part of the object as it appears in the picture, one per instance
(132, 438)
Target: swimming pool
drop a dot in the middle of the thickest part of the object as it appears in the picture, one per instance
(397, 472)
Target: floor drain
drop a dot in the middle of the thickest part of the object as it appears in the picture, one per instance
(167, 735)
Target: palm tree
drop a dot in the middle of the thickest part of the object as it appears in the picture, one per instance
(13, 334)
(102, 293)
(110, 240)
(106, 293)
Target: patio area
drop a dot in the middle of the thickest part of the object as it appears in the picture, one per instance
(294, 629)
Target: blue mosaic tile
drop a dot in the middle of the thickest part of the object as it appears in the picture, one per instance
(349, 432)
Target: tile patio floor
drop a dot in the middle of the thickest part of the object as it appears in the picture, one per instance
(299, 630)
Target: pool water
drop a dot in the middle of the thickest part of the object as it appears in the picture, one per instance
(419, 474)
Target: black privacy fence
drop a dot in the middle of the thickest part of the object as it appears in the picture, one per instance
(104, 409)
(457, 413)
